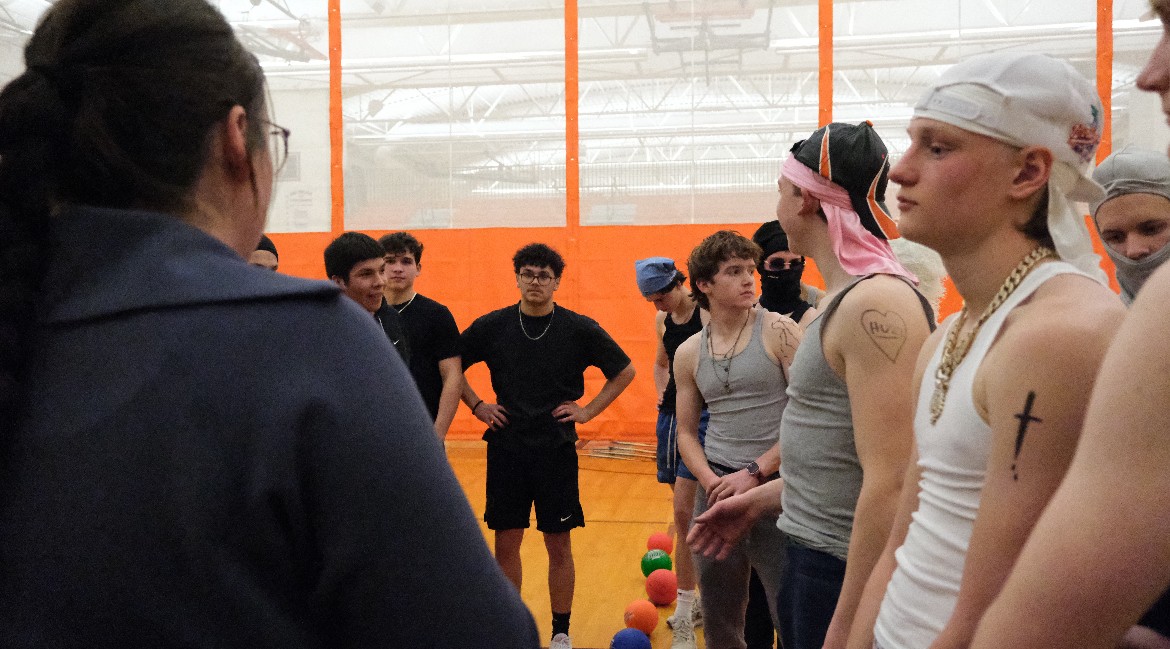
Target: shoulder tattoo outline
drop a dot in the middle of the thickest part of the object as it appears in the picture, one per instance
(887, 331)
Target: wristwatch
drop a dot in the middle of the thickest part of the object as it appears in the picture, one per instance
(753, 469)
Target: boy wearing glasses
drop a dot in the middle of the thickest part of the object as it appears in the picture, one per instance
(537, 353)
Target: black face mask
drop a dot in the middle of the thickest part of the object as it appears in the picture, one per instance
(780, 290)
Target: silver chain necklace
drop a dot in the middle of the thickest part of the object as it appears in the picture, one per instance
(725, 359)
(546, 327)
(407, 305)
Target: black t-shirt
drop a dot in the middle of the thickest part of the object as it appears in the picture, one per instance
(433, 336)
(532, 377)
(672, 337)
(1158, 617)
(395, 330)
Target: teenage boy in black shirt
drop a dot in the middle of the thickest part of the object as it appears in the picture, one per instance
(354, 262)
(433, 334)
(537, 353)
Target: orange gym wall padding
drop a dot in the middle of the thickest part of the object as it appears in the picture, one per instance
(572, 137)
(572, 126)
(1105, 92)
(1105, 75)
(336, 124)
(825, 69)
(470, 270)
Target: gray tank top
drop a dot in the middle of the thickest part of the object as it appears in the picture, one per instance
(745, 419)
(821, 471)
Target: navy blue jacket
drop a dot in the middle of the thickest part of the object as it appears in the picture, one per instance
(214, 455)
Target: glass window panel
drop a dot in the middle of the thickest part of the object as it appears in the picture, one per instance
(887, 53)
(1137, 115)
(454, 110)
(689, 107)
(18, 18)
(290, 39)
(455, 115)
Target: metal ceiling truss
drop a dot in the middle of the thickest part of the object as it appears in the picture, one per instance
(698, 110)
(9, 23)
(698, 94)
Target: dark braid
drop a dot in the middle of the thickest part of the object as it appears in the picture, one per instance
(31, 132)
(116, 109)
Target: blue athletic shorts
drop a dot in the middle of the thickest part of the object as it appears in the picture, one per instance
(670, 464)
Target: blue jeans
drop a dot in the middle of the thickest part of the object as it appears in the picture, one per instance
(808, 596)
(759, 627)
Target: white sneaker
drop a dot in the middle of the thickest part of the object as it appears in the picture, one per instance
(696, 616)
(684, 637)
(561, 641)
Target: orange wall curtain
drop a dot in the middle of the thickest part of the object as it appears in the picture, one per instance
(470, 270)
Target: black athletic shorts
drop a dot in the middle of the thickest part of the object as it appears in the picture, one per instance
(518, 476)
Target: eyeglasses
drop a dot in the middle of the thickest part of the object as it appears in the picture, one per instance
(543, 279)
(277, 144)
(784, 264)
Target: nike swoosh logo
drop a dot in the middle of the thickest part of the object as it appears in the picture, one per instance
(566, 518)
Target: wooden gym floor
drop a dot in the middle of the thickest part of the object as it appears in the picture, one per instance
(623, 504)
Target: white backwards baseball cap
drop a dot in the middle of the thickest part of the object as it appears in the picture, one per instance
(1024, 100)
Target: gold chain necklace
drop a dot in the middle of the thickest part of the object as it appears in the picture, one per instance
(955, 350)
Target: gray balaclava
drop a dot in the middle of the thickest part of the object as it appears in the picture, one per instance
(1133, 171)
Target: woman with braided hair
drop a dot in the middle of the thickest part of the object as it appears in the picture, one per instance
(157, 488)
